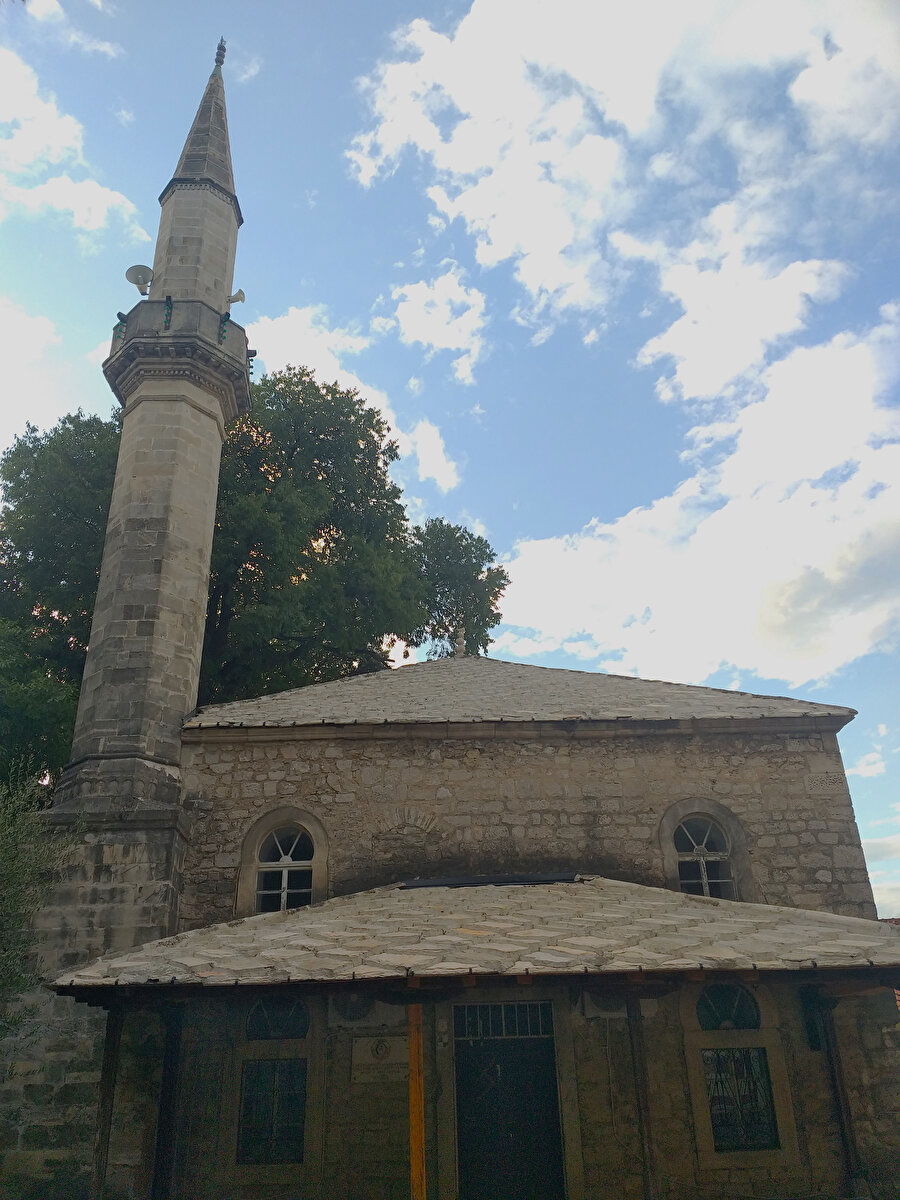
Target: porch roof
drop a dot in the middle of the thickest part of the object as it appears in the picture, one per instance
(590, 926)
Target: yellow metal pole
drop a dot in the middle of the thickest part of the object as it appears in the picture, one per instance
(416, 1103)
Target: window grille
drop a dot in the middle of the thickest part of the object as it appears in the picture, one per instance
(727, 1006)
(272, 1119)
(738, 1087)
(476, 1021)
(739, 1091)
(277, 1017)
(704, 859)
(284, 870)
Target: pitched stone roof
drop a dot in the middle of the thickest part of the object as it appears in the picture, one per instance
(207, 152)
(598, 926)
(469, 688)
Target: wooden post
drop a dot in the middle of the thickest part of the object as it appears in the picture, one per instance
(856, 1175)
(639, 1073)
(416, 1103)
(167, 1122)
(107, 1097)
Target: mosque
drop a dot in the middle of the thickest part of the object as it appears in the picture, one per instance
(468, 929)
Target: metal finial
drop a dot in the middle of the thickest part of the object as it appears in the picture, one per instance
(220, 52)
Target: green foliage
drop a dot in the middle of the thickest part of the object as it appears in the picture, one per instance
(311, 564)
(316, 570)
(31, 857)
(56, 489)
(462, 585)
(56, 492)
(37, 705)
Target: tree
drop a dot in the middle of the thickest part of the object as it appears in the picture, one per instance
(450, 557)
(316, 570)
(31, 858)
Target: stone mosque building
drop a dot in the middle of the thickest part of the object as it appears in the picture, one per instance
(469, 929)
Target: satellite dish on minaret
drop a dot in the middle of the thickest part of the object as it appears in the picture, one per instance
(141, 277)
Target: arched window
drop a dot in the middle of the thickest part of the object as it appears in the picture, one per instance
(704, 858)
(274, 1065)
(285, 870)
(738, 1087)
(704, 851)
(738, 1077)
(277, 1018)
(727, 1006)
(284, 864)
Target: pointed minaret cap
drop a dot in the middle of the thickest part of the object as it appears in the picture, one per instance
(206, 156)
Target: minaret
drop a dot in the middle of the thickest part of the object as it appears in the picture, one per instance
(179, 367)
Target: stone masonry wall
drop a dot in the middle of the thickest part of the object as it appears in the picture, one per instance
(416, 806)
(118, 892)
(357, 1120)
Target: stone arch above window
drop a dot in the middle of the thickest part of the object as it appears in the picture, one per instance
(284, 863)
(704, 850)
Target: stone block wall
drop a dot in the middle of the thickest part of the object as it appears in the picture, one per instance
(868, 1029)
(357, 1148)
(120, 890)
(681, 1173)
(406, 806)
(143, 665)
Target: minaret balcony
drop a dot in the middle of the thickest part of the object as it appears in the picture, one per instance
(181, 337)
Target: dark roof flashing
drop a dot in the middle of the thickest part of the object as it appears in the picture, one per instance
(526, 879)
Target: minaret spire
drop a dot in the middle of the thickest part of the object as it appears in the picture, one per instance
(200, 217)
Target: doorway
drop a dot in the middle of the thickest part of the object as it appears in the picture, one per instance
(509, 1143)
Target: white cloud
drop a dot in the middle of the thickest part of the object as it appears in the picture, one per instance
(882, 849)
(52, 12)
(88, 203)
(778, 556)
(432, 456)
(734, 306)
(46, 10)
(474, 523)
(100, 353)
(543, 131)
(39, 134)
(868, 765)
(886, 887)
(303, 335)
(443, 315)
(882, 730)
(92, 45)
(124, 116)
(36, 138)
(414, 385)
(250, 69)
(33, 380)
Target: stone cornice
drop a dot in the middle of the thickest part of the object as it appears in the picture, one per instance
(207, 185)
(580, 731)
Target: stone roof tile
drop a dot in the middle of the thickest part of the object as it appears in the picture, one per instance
(474, 689)
(394, 932)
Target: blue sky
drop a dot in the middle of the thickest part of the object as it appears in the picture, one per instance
(622, 277)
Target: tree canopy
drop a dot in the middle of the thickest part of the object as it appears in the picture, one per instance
(316, 570)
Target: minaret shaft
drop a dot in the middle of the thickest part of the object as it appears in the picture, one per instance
(143, 665)
(179, 367)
